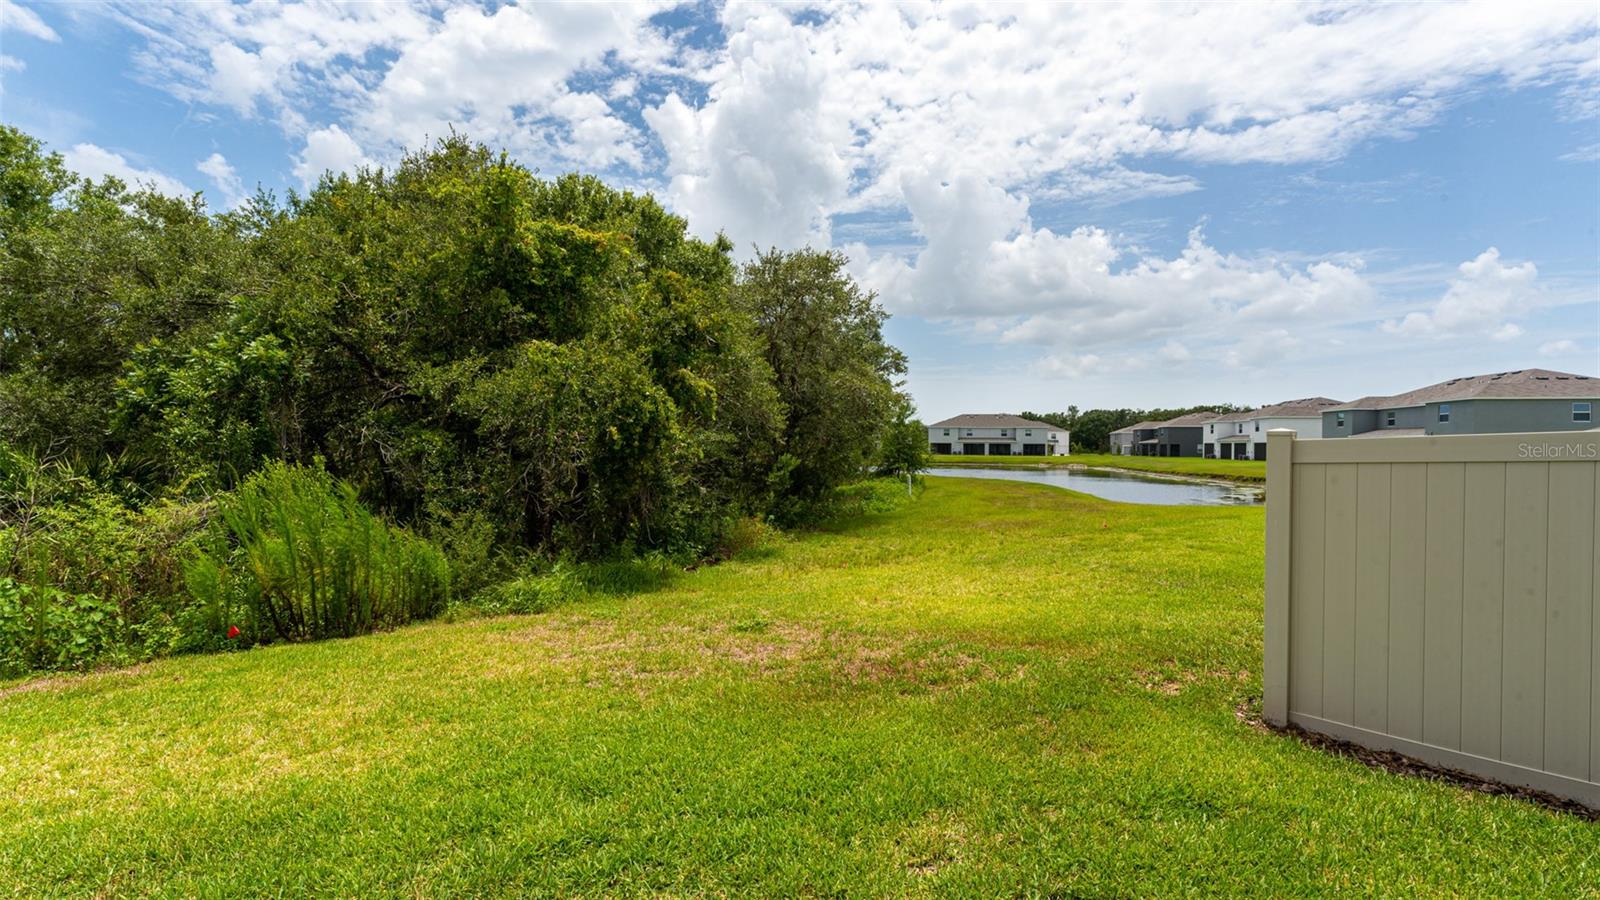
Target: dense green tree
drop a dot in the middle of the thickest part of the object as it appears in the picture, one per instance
(905, 449)
(457, 337)
(552, 365)
(88, 272)
(509, 367)
(836, 376)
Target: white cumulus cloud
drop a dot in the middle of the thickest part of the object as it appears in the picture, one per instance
(238, 77)
(1481, 300)
(759, 159)
(96, 162)
(1084, 290)
(222, 174)
(328, 150)
(959, 127)
(401, 73)
(801, 114)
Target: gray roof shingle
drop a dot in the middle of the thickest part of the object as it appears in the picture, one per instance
(1522, 384)
(1189, 420)
(993, 420)
(1308, 407)
(1138, 426)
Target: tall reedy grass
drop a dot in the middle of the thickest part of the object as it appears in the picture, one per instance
(306, 560)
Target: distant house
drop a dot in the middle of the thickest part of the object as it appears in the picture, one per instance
(976, 434)
(1244, 435)
(1183, 436)
(1228, 437)
(1522, 400)
(1126, 441)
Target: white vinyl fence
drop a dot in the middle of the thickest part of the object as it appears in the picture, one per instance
(1435, 596)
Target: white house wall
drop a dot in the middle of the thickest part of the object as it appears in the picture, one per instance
(1304, 427)
(1016, 436)
(1214, 433)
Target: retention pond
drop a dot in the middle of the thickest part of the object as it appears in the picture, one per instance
(1123, 487)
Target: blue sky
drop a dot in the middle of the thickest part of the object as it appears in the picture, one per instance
(1090, 205)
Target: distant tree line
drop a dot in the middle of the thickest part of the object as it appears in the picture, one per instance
(1091, 429)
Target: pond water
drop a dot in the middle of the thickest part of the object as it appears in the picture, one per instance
(1121, 486)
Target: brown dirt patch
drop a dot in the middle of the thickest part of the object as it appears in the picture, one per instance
(1171, 678)
(621, 651)
(929, 846)
(62, 682)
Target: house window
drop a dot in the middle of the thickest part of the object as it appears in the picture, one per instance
(969, 432)
(1338, 419)
(1388, 418)
(1005, 432)
(1444, 412)
(1258, 426)
(1213, 428)
(1027, 433)
(1582, 412)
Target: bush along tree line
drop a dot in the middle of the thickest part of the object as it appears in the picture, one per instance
(403, 389)
(1091, 429)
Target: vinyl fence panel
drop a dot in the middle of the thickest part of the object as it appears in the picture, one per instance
(1436, 596)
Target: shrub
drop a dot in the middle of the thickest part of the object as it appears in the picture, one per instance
(534, 593)
(862, 498)
(97, 544)
(67, 536)
(468, 542)
(629, 573)
(744, 536)
(565, 581)
(305, 560)
(47, 628)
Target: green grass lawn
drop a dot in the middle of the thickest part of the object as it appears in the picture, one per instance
(1230, 469)
(1000, 689)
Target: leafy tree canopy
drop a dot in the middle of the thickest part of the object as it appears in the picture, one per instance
(554, 363)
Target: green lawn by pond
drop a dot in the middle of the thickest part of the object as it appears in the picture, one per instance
(1230, 469)
(999, 689)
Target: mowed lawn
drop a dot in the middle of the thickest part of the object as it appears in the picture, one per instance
(1000, 689)
(1229, 469)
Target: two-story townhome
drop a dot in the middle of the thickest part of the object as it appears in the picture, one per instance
(1244, 435)
(977, 434)
(1126, 441)
(1183, 436)
(1523, 400)
(1226, 437)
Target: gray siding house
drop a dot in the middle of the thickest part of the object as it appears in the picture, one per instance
(1183, 436)
(1523, 400)
(1125, 441)
(998, 434)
